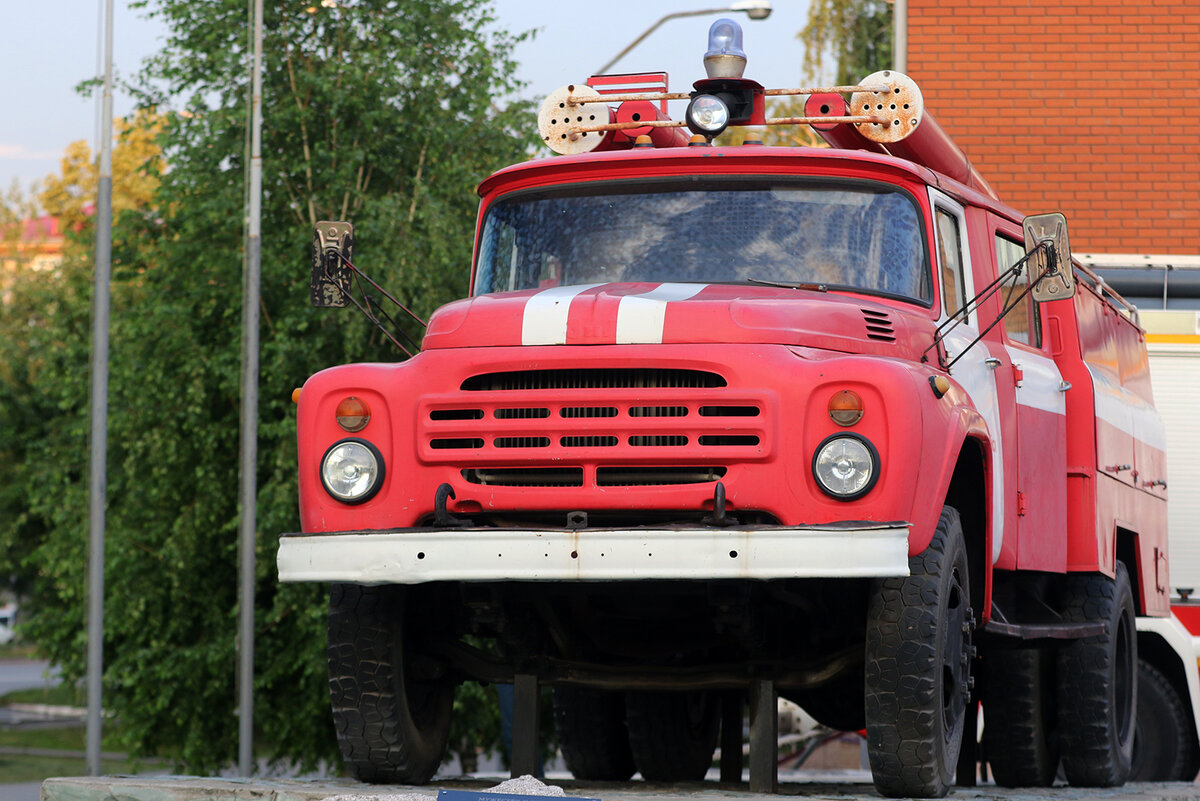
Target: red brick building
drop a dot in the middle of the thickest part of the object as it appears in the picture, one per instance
(1091, 108)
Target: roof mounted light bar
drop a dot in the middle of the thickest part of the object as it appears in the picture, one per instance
(886, 107)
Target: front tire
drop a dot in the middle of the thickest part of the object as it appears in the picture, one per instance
(918, 668)
(391, 726)
(1097, 682)
(672, 735)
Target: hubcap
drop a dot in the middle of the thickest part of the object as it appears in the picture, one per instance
(957, 652)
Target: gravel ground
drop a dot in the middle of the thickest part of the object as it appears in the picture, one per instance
(830, 786)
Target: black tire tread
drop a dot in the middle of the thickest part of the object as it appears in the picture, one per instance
(1019, 734)
(667, 745)
(1092, 753)
(592, 734)
(375, 731)
(903, 702)
(1165, 742)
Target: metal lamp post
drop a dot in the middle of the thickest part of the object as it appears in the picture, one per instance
(754, 9)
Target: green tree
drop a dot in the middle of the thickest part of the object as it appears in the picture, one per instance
(377, 111)
(137, 162)
(20, 418)
(857, 34)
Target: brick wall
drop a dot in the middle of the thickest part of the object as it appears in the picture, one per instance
(1090, 108)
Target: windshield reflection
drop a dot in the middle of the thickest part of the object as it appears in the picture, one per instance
(843, 235)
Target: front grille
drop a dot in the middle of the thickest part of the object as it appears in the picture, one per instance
(594, 428)
(728, 441)
(656, 476)
(605, 476)
(456, 414)
(588, 411)
(633, 378)
(729, 411)
(455, 443)
(675, 441)
(658, 411)
(588, 442)
(525, 476)
(521, 442)
(521, 414)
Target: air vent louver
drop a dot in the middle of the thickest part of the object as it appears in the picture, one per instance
(879, 325)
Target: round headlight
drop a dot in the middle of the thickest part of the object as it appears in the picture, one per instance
(846, 466)
(352, 470)
(707, 115)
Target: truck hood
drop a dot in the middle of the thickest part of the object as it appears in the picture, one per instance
(651, 313)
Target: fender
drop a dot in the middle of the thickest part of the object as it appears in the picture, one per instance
(950, 425)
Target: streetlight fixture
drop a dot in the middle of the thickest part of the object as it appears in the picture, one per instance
(754, 9)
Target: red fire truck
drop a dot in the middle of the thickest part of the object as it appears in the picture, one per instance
(835, 424)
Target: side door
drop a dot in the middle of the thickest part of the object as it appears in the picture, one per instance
(1041, 471)
(973, 371)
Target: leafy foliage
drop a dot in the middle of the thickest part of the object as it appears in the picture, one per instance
(376, 111)
(137, 162)
(856, 33)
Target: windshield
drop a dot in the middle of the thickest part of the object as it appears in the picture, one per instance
(859, 235)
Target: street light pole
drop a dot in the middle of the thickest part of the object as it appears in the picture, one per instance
(754, 9)
(249, 411)
(98, 484)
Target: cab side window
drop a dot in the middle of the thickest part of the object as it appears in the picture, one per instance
(950, 257)
(1022, 323)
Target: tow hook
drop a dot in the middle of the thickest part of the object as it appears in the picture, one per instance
(719, 517)
(441, 517)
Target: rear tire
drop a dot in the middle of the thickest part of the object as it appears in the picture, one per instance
(1019, 733)
(1097, 682)
(918, 676)
(391, 728)
(672, 735)
(592, 734)
(1164, 740)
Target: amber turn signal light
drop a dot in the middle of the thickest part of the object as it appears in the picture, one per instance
(845, 407)
(353, 414)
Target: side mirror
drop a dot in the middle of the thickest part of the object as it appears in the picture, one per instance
(333, 250)
(1053, 265)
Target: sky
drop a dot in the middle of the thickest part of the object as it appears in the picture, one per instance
(59, 46)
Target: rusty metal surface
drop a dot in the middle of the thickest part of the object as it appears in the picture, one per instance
(566, 108)
(900, 102)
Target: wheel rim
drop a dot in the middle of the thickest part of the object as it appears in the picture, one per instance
(956, 657)
(1124, 678)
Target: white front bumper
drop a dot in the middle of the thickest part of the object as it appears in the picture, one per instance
(416, 556)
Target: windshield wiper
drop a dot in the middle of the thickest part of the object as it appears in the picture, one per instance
(786, 285)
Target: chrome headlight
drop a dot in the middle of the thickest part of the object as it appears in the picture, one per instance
(846, 466)
(352, 470)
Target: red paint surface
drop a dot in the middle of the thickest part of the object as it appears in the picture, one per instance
(783, 351)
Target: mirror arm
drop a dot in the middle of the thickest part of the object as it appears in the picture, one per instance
(366, 312)
(959, 317)
(378, 310)
(381, 290)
